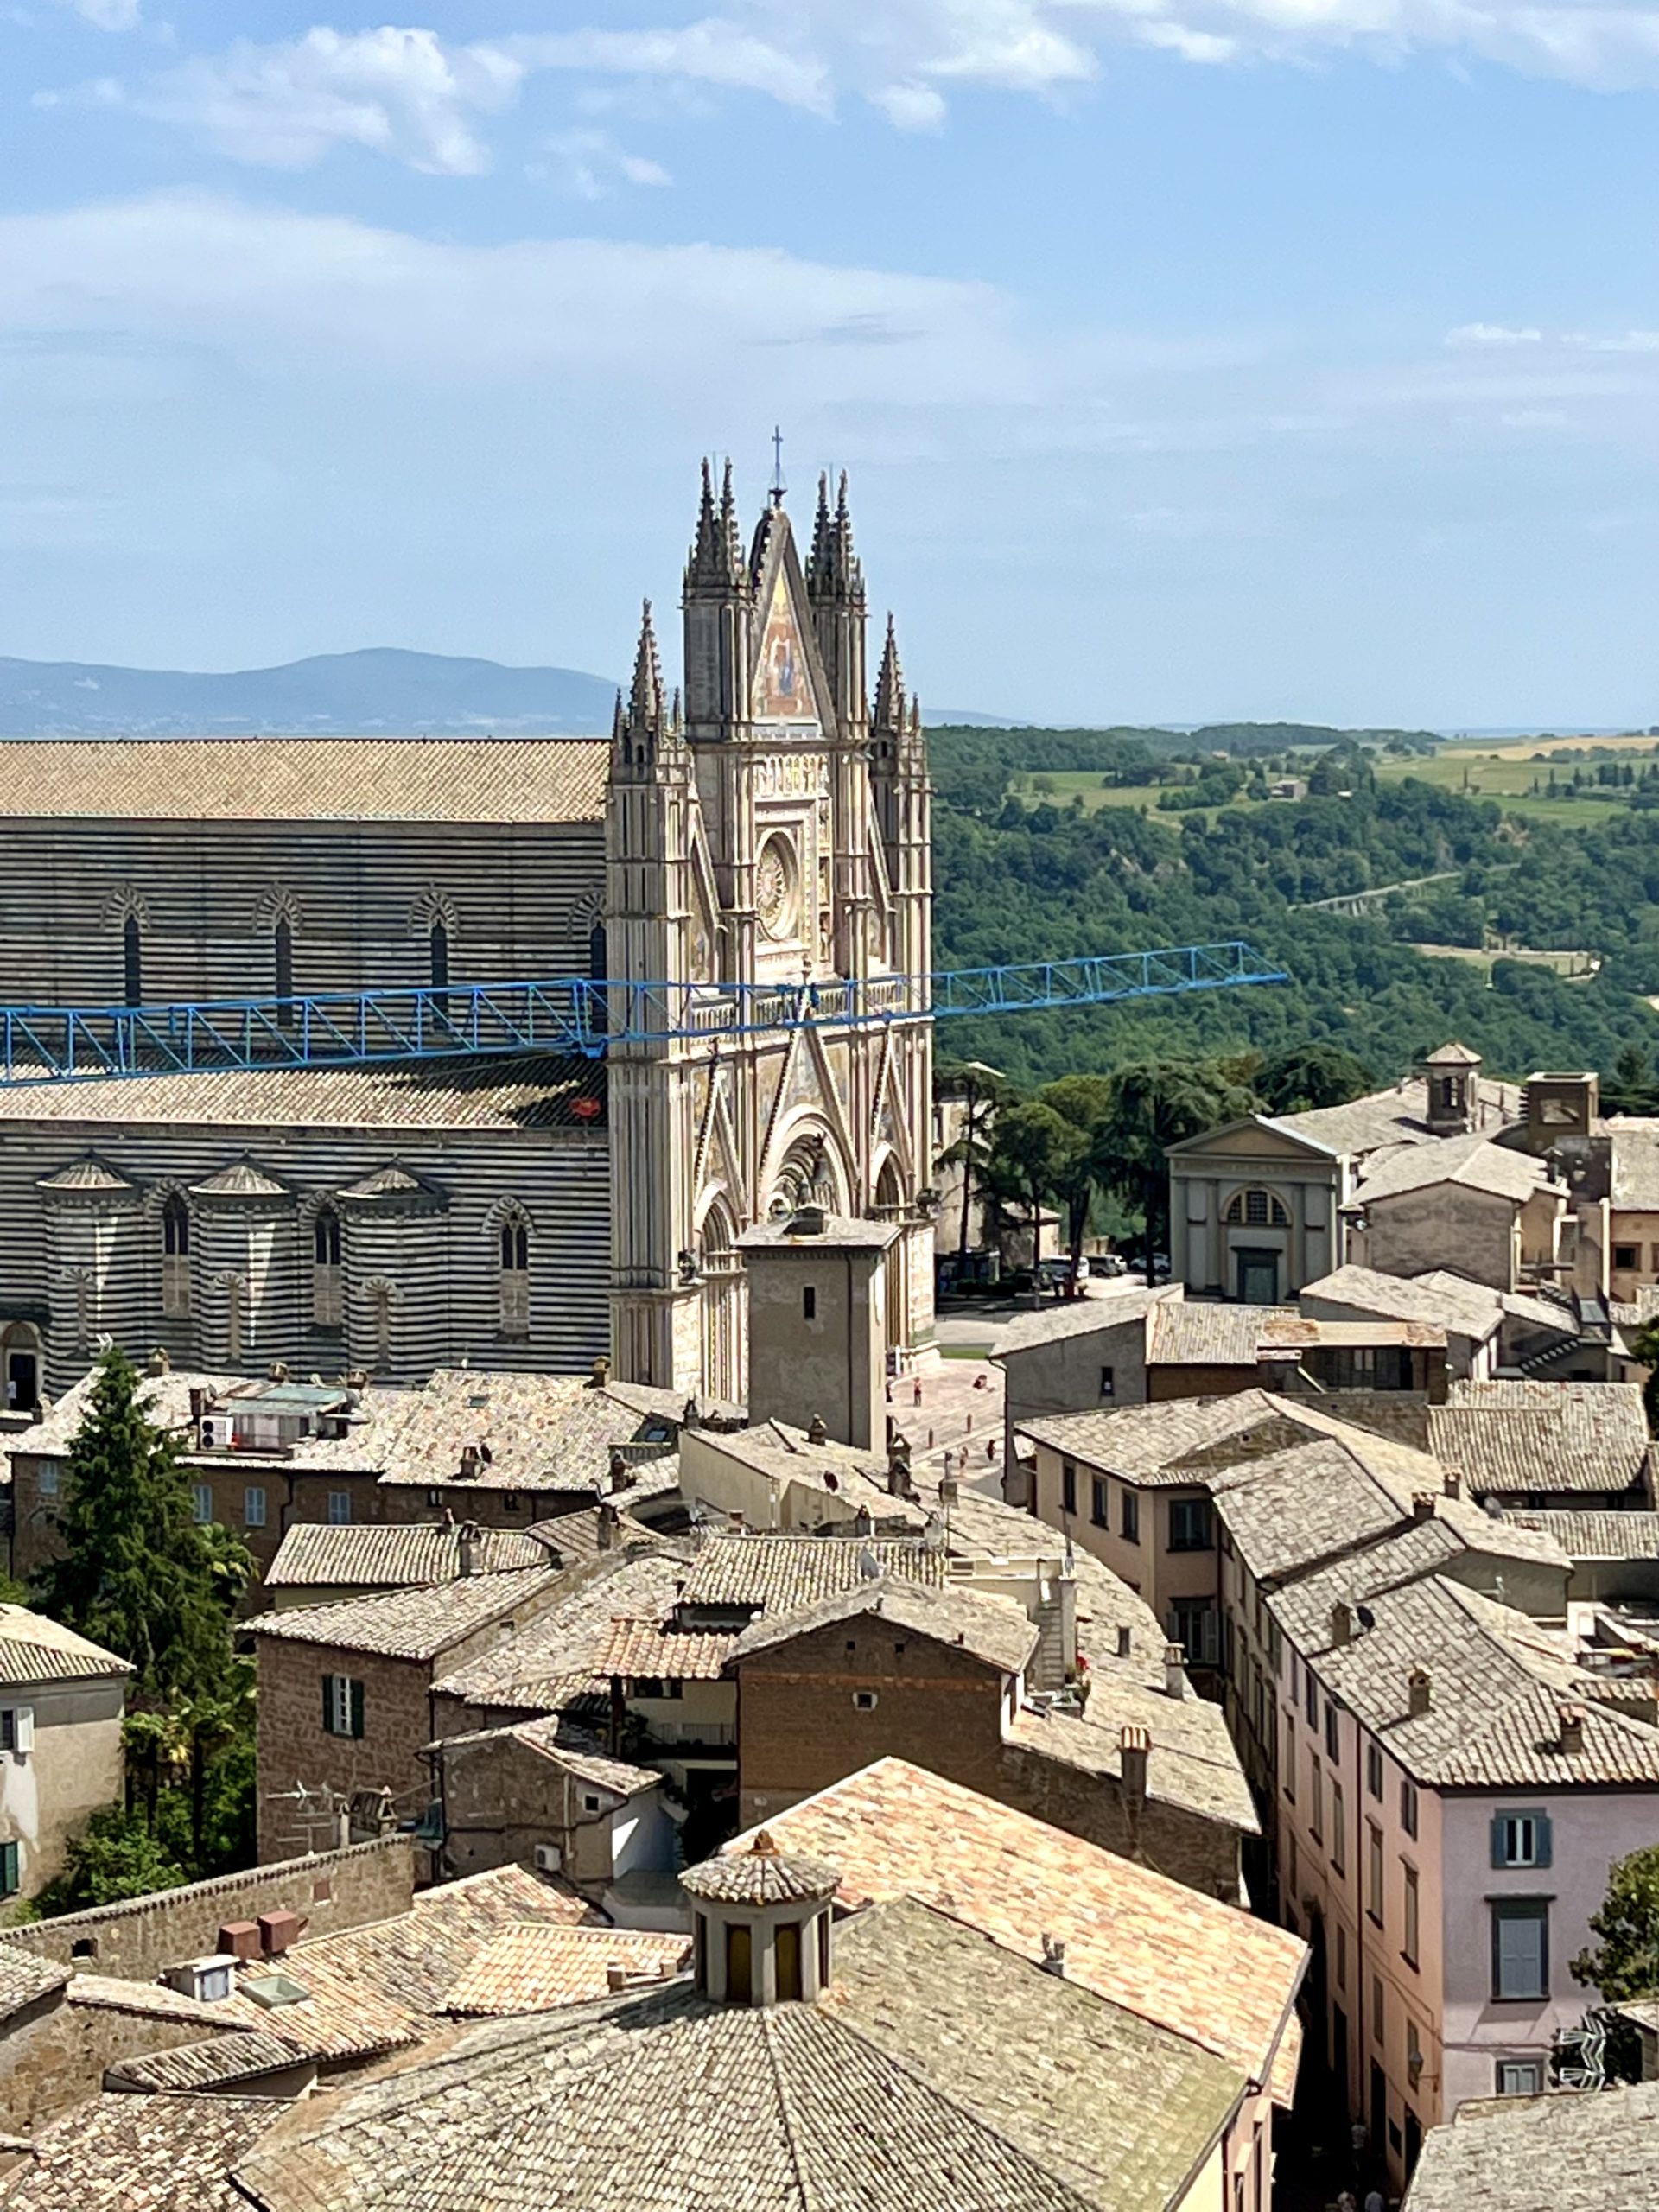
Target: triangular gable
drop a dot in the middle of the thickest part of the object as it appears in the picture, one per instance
(718, 1148)
(887, 1128)
(808, 1080)
(1256, 1137)
(787, 679)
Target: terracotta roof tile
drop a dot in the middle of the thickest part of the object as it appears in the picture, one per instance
(991, 1628)
(1517, 1436)
(319, 1554)
(123, 2153)
(650, 1648)
(418, 1623)
(774, 1573)
(535, 1967)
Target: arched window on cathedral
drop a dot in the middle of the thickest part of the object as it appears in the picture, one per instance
(282, 950)
(598, 972)
(132, 961)
(175, 1257)
(438, 951)
(327, 1301)
(514, 1276)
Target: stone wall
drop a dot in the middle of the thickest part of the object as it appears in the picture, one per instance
(1202, 1853)
(296, 1750)
(331, 1890)
(56, 2053)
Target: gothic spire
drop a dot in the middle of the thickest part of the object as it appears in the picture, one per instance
(818, 560)
(645, 699)
(889, 716)
(834, 572)
(716, 558)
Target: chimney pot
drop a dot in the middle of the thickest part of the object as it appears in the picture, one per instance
(1423, 1505)
(1342, 1622)
(816, 1431)
(1419, 1690)
(618, 1472)
(1053, 1959)
(1453, 1483)
(1572, 1720)
(616, 1975)
(1133, 1750)
(467, 1540)
(159, 1363)
(601, 1373)
(1175, 1670)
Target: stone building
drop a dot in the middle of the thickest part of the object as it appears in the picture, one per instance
(771, 834)
(62, 1700)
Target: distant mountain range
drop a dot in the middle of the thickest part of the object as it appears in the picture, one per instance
(378, 692)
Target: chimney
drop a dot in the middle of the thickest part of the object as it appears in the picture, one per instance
(1125, 1641)
(950, 1490)
(1453, 1483)
(1572, 1720)
(616, 1975)
(1342, 1622)
(470, 1462)
(1053, 1957)
(863, 1522)
(277, 1371)
(198, 1404)
(278, 1930)
(1423, 1505)
(1135, 1751)
(816, 1431)
(468, 1545)
(1174, 1670)
(160, 1363)
(1418, 1691)
(238, 1939)
(619, 1473)
(608, 1528)
(601, 1373)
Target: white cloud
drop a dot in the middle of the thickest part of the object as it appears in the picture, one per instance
(106, 15)
(396, 92)
(1492, 333)
(590, 162)
(909, 107)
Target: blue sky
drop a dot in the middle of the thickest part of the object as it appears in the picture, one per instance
(1189, 357)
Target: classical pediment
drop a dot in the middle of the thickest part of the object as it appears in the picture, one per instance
(1254, 1139)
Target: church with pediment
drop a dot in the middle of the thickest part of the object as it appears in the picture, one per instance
(766, 825)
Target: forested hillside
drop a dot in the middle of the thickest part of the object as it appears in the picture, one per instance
(1020, 882)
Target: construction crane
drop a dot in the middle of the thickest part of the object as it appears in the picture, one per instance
(564, 1016)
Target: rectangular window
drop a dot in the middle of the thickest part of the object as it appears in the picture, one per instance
(1332, 1744)
(1108, 1383)
(1520, 2077)
(1315, 1799)
(342, 1705)
(1097, 1512)
(809, 1304)
(1068, 1487)
(1522, 1839)
(1128, 1516)
(1311, 1689)
(1290, 1759)
(339, 1507)
(1338, 1843)
(253, 1506)
(1374, 1872)
(1342, 1956)
(1408, 1942)
(1408, 1807)
(18, 1729)
(1627, 1257)
(201, 1501)
(1378, 2021)
(10, 1873)
(1189, 1525)
(1520, 1947)
(48, 1482)
(1193, 1624)
(1373, 1772)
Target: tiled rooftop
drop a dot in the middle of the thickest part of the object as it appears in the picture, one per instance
(414, 1624)
(648, 1647)
(535, 1967)
(1446, 1300)
(1634, 1145)
(35, 1649)
(1519, 1437)
(1193, 1763)
(318, 1554)
(1076, 1316)
(778, 1574)
(783, 1454)
(24, 1979)
(1201, 1969)
(1470, 1161)
(991, 1628)
(308, 779)
(558, 1654)
(1590, 1535)
(581, 1754)
(1298, 1507)
(123, 2153)
(1203, 1335)
(1560, 2153)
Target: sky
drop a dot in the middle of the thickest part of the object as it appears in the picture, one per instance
(1190, 358)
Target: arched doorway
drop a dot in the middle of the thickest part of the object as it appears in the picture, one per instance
(890, 1206)
(20, 1364)
(721, 1274)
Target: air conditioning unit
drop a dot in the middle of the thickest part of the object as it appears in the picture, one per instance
(549, 1859)
(206, 1980)
(215, 1435)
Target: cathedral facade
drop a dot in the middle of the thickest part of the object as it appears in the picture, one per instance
(766, 829)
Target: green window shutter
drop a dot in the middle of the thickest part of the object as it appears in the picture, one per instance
(10, 1879)
(1543, 1840)
(1498, 1858)
(328, 1705)
(357, 1708)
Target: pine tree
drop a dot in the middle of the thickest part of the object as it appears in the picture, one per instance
(137, 1573)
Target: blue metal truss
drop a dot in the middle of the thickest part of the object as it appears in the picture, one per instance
(568, 1016)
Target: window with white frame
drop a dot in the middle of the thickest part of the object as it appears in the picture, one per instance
(253, 1506)
(1520, 2077)
(342, 1705)
(1522, 1838)
(201, 1501)
(339, 1507)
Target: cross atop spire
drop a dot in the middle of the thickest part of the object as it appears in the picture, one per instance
(779, 486)
(889, 716)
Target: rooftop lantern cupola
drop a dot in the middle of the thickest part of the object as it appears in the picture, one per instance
(1452, 1076)
(760, 1923)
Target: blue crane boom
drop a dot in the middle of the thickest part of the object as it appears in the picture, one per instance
(565, 1015)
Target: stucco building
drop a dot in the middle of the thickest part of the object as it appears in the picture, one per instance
(61, 1702)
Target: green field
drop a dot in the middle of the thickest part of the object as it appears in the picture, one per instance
(1500, 775)
(1084, 783)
